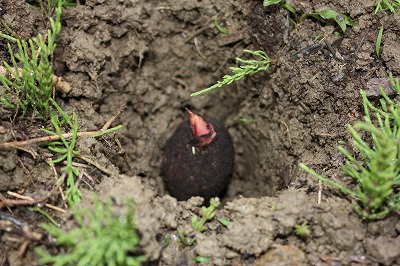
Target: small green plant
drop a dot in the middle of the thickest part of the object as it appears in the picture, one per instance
(377, 172)
(198, 225)
(325, 15)
(379, 42)
(66, 148)
(250, 67)
(48, 6)
(33, 83)
(391, 5)
(186, 240)
(282, 3)
(302, 230)
(219, 26)
(101, 238)
(207, 213)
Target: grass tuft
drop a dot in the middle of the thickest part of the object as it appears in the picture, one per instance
(66, 149)
(391, 5)
(101, 238)
(377, 171)
(33, 83)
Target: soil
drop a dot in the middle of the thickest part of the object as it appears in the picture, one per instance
(145, 58)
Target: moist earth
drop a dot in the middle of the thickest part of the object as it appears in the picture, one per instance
(142, 59)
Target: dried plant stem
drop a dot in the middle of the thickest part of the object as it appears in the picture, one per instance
(4, 202)
(23, 197)
(14, 144)
(97, 165)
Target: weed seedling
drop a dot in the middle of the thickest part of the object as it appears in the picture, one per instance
(198, 225)
(250, 67)
(378, 43)
(391, 5)
(33, 83)
(282, 3)
(302, 230)
(47, 6)
(325, 15)
(207, 213)
(377, 171)
(101, 238)
(342, 20)
(66, 149)
(219, 26)
(186, 240)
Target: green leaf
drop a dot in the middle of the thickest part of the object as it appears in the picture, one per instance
(251, 67)
(342, 20)
(271, 2)
(201, 259)
(219, 26)
(378, 42)
(224, 222)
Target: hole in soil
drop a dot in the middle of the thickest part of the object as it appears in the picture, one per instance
(262, 163)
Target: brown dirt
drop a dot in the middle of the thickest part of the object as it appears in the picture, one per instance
(148, 56)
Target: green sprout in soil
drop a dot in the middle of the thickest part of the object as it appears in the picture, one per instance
(219, 26)
(379, 42)
(201, 259)
(302, 230)
(207, 214)
(282, 3)
(66, 149)
(324, 16)
(186, 240)
(33, 83)
(391, 5)
(47, 7)
(250, 67)
(377, 172)
(101, 238)
(198, 225)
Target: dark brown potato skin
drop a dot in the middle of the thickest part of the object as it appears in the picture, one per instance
(207, 172)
